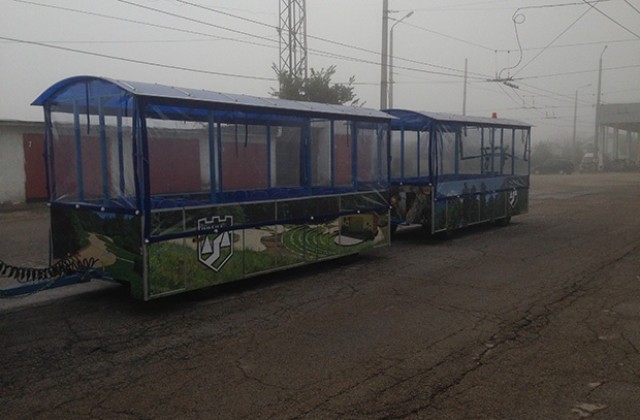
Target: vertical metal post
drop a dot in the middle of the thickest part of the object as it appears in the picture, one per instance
(597, 125)
(384, 55)
(464, 90)
(575, 121)
(212, 158)
(390, 72)
(103, 153)
(219, 160)
(332, 153)
(78, 139)
(268, 155)
(122, 184)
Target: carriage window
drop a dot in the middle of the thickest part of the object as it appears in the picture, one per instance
(92, 153)
(521, 151)
(471, 150)
(285, 156)
(396, 154)
(447, 152)
(244, 157)
(173, 145)
(343, 154)
(507, 151)
(321, 152)
(424, 153)
(410, 154)
(369, 155)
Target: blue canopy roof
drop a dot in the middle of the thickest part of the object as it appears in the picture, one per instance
(169, 95)
(420, 120)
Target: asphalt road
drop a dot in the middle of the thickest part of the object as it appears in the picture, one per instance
(536, 320)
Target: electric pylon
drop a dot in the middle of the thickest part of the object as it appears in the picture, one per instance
(293, 37)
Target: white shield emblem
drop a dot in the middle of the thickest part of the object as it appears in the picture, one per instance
(215, 248)
(513, 198)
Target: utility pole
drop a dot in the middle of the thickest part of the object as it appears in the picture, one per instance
(293, 37)
(599, 156)
(575, 122)
(464, 90)
(384, 55)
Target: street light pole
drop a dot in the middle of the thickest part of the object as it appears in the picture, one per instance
(384, 55)
(597, 130)
(391, 57)
(575, 120)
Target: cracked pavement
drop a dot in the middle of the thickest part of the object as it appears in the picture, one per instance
(536, 320)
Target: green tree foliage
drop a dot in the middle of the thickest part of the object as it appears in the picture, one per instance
(315, 88)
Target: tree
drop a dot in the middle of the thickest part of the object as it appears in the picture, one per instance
(315, 88)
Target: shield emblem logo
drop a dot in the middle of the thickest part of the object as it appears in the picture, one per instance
(513, 198)
(215, 248)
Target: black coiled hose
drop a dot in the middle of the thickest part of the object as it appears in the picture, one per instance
(63, 267)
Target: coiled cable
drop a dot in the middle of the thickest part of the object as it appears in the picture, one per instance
(63, 267)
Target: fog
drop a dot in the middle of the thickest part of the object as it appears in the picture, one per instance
(550, 54)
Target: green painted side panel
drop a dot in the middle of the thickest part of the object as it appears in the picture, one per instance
(113, 240)
(456, 204)
(214, 258)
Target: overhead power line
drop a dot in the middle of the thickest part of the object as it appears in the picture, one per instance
(345, 45)
(273, 41)
(131, 60)
(611, 19)
(164, 12)
(632, 6)
(464, 41)
(571, 73)
(551, 42)
(138, 22)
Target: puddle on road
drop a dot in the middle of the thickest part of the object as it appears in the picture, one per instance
(584, 410)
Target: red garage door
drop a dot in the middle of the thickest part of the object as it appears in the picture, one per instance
(34, 166)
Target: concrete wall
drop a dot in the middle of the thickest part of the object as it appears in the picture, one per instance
(12, 160)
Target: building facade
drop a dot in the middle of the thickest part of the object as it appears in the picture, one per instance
(22, 167)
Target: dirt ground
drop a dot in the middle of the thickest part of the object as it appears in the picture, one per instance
(536, 320)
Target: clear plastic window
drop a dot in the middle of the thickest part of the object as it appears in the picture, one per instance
(91, 148)
(424, 154)
(447, 152)
(396, 154)
(506, 164)
(410, 154)
(244, 157)
(368, 155)
(175, 157)
(521, 151)
(321, 153)
(471, 150)
(343, 154)
(285, 157)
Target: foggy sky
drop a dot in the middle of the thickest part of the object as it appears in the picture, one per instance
(430, 49)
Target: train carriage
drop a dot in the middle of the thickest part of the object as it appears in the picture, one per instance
(176, 189)
(452, 171)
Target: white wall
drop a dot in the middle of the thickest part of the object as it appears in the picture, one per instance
(12, 175)
(12, 163)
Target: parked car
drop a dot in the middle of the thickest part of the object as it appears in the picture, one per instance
(555, 166)
(589, 163)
